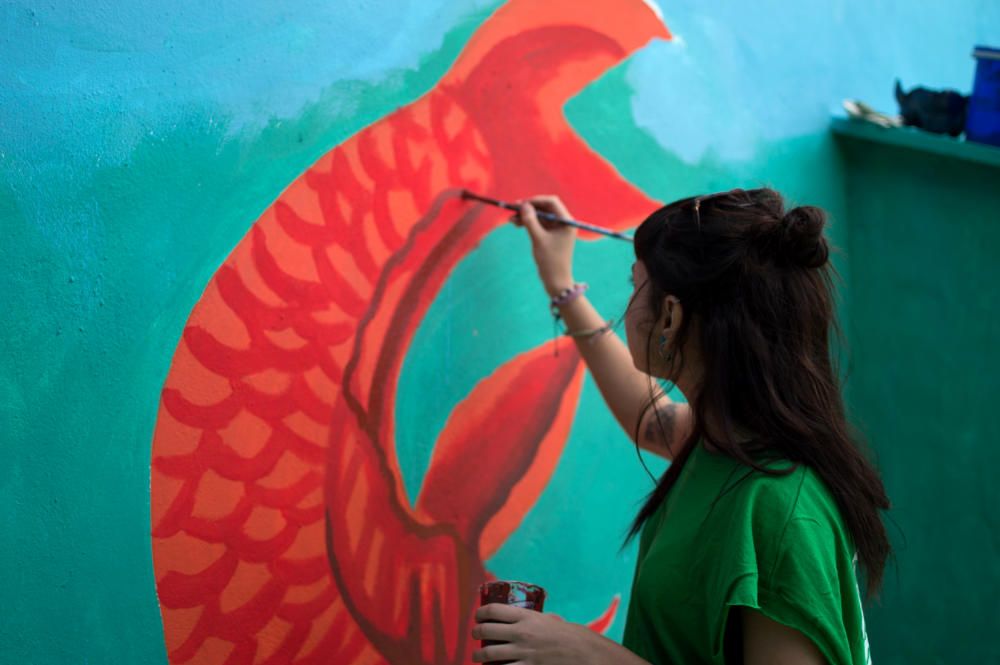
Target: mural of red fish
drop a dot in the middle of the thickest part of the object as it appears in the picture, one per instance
(281, 531)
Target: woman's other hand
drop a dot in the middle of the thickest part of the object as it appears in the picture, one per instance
(534, 638)
(531, 638)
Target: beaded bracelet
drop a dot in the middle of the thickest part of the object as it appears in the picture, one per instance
(564, 297)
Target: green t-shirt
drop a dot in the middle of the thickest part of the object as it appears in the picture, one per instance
(775, 543)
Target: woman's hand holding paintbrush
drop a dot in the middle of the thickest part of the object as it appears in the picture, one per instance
(549, 216)
(551, 242)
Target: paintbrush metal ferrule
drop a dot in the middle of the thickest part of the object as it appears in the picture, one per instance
(466, 194)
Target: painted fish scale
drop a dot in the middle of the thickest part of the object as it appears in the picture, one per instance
(307, 215)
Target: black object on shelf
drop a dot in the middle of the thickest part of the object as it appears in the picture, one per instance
(938, 111)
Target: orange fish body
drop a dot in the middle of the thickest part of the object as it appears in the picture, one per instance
(281, 529)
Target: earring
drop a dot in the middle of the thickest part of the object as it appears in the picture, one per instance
(663, 345)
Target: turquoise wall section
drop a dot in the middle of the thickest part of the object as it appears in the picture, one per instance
(139, 141)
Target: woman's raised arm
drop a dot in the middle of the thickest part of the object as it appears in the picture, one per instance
(626, 389)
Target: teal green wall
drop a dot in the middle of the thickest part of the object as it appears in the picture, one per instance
(923, 256)
(138, 143)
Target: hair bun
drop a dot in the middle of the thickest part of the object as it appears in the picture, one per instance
(801, 241)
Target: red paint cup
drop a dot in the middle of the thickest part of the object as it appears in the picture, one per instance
(506, 592)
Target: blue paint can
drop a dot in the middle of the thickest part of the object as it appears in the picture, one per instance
(983, 122)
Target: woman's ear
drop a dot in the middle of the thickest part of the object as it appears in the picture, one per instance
(673, 316)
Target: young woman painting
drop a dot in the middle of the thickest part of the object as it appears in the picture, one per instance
(749, 544)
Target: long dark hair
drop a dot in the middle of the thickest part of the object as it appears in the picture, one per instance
(755, 283)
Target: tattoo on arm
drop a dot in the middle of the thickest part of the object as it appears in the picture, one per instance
(660, 428)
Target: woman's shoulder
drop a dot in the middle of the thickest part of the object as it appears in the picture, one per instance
(776, 477)
(780, 491)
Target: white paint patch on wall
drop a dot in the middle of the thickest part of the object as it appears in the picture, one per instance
(653, 5)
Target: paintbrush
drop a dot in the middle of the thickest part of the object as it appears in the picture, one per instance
(548, 216)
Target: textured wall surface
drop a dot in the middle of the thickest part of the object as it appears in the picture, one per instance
(144, 147)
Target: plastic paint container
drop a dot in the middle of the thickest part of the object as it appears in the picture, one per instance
(983, 121)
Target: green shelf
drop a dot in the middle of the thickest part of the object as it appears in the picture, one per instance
(916, 139)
